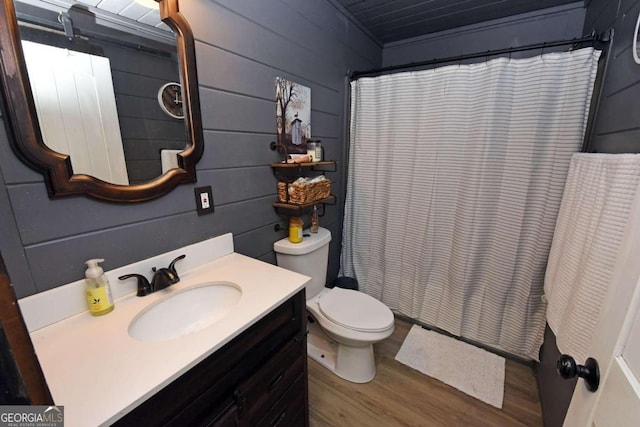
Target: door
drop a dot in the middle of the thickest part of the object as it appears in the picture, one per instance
(616, 344)
(69, 84)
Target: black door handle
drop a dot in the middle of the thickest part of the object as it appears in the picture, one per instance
(590, 372)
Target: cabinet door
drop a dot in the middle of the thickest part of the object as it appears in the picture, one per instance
(288, 411)
(228, 419)
(262, 390)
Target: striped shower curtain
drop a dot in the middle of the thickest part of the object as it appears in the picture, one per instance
(454, 184)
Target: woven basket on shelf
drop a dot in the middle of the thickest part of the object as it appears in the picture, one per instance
(304, 193)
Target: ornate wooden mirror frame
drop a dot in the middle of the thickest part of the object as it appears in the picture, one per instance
(27, 138)
(635, 46)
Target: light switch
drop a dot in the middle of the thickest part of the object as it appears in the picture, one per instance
(204, 200)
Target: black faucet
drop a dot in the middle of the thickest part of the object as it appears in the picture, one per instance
(162, 278)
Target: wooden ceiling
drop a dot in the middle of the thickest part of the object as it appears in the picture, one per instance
(137, 11)
(393, 20)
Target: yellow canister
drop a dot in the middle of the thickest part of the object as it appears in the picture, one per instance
(295, 230)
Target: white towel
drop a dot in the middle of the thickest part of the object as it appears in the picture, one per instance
(169, 159)
(595, 208)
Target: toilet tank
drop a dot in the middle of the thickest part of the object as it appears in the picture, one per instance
(309, 257)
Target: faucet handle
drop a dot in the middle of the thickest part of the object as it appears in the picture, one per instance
(172, 266)
(144, 287)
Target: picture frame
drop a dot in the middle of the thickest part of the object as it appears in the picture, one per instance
(293, 115)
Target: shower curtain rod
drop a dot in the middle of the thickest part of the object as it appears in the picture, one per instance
(39, 25)
(593, 39)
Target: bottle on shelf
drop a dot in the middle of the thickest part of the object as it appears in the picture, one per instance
(314, 219)
(311, 151)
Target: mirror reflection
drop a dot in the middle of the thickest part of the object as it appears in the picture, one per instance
(636, 42)
(106, 88)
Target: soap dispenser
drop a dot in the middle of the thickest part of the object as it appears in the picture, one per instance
(97, 290)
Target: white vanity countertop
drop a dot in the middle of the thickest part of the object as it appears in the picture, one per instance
(99, 373)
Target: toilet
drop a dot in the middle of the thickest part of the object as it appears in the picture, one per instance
(343, 324)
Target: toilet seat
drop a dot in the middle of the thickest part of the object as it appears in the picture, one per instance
(355, 311)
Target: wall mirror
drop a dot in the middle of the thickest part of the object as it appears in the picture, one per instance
(636, 43)
(103, 103)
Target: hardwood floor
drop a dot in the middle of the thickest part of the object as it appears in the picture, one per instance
(401, 396)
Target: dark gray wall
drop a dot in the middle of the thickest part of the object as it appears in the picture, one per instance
(555, 393)
(241, 47)
(560, 23)
(557, 23)
(144, 127)
(616, 127)
(140, 65)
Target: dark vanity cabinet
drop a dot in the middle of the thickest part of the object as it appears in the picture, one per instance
(257, 379)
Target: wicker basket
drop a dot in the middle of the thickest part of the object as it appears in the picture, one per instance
(300, 194)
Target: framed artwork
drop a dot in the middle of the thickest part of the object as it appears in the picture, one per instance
(293, 115)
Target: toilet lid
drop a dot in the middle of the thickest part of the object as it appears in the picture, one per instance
(355, 310)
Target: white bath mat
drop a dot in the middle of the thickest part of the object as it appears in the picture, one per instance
(470, 369)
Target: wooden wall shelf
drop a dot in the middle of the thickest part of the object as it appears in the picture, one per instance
(303, 165)
(288, 172)
(295, 209)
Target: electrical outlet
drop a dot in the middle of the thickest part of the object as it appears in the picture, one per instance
(204, 200)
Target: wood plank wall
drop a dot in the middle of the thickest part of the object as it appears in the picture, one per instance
(616, 130)
(617, 125)
(546, 25)
(145, 128)
(139, 67)
(242, 46)
(559, 23)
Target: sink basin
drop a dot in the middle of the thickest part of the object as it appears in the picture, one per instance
(185, 311)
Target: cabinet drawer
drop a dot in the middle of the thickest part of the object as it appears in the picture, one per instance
(259, 392)
(288, 411)
(229, 418)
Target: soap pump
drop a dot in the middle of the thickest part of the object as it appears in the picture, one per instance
(97, 291)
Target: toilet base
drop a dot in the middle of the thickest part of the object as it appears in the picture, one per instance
(355, 364)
